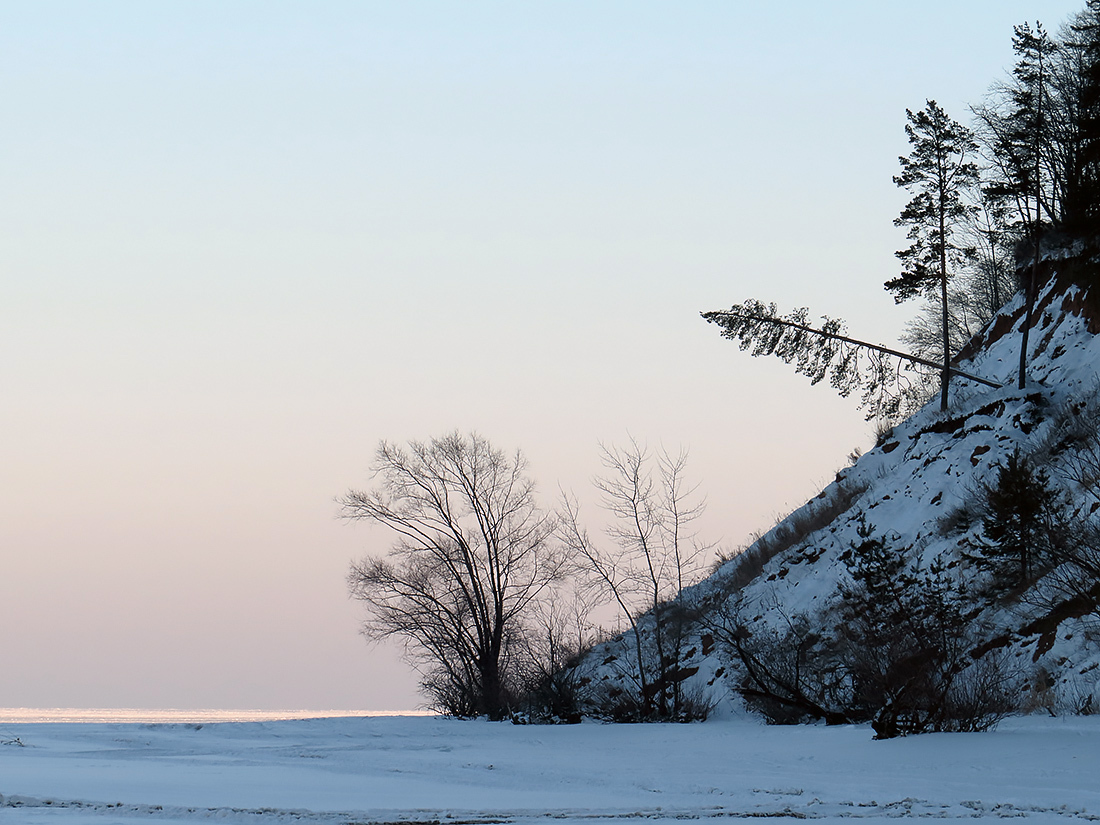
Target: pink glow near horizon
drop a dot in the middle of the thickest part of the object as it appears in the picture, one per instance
(243, 243)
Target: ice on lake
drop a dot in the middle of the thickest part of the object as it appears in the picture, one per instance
(428, 769)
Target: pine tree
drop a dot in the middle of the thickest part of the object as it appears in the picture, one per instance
(938, 173)
(1082, 198)
(1018, 525)
(908, 638)
(878, 373)
(1020, 133)
(1031, 137)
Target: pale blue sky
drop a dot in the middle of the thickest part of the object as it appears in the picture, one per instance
(241, 242)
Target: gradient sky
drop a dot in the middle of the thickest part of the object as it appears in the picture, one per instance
(241, 242)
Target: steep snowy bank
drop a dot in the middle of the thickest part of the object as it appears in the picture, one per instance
(920, 489)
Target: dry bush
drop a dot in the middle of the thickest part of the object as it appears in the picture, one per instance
(696, 705)
(1074, 431)
(555, 687)
(748, 563)
(788, 675)
(884, 431)
(611, 703)
(981, 695)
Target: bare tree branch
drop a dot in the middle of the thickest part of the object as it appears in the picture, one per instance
(474, 553)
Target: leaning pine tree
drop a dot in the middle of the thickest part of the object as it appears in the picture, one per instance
(825, 350)
(938, 173)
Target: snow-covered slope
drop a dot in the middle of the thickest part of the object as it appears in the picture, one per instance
(920, 485)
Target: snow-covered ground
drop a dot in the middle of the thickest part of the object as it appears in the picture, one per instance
(427, 769)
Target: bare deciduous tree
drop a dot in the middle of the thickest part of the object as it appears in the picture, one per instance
(651, 557)
(474, 553)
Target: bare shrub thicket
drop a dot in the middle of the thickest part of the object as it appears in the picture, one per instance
(647, 559)
(1072, 450)
(788, 676)
(896, 651)
(1072, 443)
(556, 684)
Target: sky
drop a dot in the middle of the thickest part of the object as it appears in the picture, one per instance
(243, 242)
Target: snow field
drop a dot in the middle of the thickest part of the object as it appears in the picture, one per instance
(402, 769)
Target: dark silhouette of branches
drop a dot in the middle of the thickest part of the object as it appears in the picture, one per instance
(650, 556)
(473, 554)
(817, 352)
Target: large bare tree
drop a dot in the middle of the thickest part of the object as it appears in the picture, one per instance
(473, 554)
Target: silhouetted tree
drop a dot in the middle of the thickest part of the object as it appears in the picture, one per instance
(851, 365)
(906, 637)
(1082, 97)
(650, 558)
(473, 554)
(1029, 144)
(938, 173)
(1020, 524)
(1018, 127)
(991, 279)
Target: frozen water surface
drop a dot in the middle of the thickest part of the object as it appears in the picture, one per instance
(427, 769)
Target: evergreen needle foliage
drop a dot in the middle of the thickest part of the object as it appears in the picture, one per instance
(881, 376)
(938, 173)
(1019, 527)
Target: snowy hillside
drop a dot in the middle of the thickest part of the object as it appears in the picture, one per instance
(920, 489)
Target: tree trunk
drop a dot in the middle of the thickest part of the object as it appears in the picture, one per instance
(945, 372)
(1033, 285)
(1029, 315)
(492, 690)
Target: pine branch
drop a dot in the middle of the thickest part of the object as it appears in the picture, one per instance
(825, 350)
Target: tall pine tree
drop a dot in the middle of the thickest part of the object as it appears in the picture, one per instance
(1019, 129)
(938, 173)
(1082, 197)
(1029, 145)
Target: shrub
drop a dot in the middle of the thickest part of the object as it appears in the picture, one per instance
(612, 703)
(907, 633)
(557, 683)
(787, 677)
(884, 431)
(696, 705)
